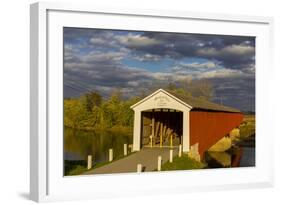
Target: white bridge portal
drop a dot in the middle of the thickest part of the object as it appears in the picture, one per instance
(161, 102)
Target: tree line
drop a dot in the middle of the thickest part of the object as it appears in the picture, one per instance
(93, 112)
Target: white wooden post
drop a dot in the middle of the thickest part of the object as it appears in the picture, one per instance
(152, 129)
(139, 167)
(125, 150)
(89, 164)
(110, 155)
(180, 150)
(185, 131)
(137, 130)
(159, 163)
(171, 156)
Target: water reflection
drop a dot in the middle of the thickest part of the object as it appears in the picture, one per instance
(241, 154)
(78, 144)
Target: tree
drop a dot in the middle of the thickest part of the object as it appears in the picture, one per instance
(198, 88)
(74, 113)
(91, 100)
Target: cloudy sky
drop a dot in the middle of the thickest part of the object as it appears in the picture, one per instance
(103, 60)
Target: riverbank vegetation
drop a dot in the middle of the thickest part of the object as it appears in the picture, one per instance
(74, 167)
(247, 132)
(79, 167)
(248, 126)
(182, 163)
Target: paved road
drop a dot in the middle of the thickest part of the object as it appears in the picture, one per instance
(146, 156)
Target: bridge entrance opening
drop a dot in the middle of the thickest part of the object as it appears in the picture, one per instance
(161, 128)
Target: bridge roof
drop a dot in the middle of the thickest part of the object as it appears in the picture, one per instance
(194, 103)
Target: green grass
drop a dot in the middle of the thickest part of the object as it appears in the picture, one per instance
(179, 163)
(77, 170)
(74, 167)
(182, 163)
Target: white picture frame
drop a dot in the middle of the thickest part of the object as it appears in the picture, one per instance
(46, 179)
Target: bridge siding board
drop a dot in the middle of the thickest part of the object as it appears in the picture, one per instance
(206, 128)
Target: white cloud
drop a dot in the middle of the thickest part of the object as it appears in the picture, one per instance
(195, 67)
(133, 83)
(97, 56)
(207, 70)
(103, 89)
(222, 73)
(147, 57)
(137, 40)
(98, 41)
(232, 50)
(251, 68)
(170, 76)
(239, 50)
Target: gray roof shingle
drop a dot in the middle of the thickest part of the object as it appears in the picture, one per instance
(198, 103)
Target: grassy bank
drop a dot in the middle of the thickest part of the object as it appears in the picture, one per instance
(74, 167)
(248, 126)
(247, 132)
(182, 163)
(79, 167)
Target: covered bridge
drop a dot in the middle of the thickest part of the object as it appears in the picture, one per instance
(167, 119)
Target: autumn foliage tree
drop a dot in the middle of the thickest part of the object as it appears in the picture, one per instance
(90, 111)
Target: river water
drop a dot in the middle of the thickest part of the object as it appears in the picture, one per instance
(242, 154)
(79, 144)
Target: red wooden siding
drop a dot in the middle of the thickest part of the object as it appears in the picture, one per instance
(206, 128)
